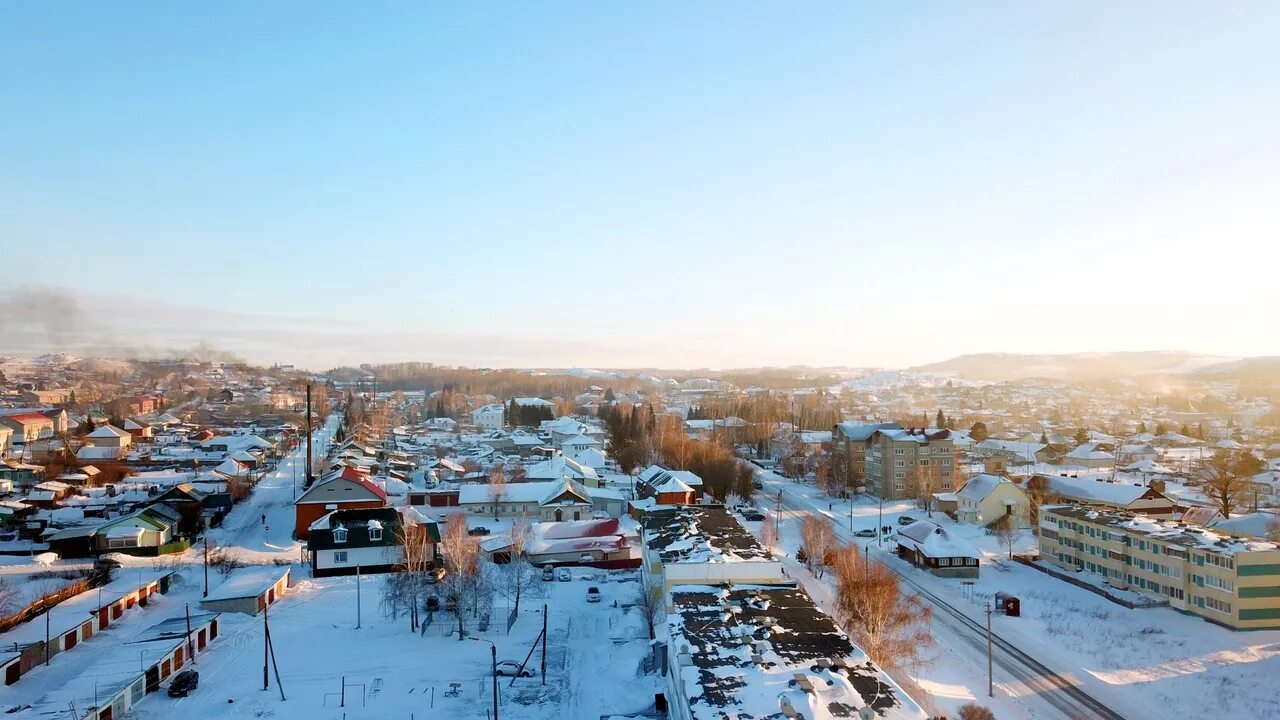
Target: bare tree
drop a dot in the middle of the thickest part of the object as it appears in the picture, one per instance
(497, 487)
(1006, 531)
(892, 628)
(924, 481)
(9, 598)
(974, 711)
(1037, 494)
(769, 536)
(649, 603)
(818, 537)
(517, 577)
(1226, 482)
(462, 568)
(1273, 528)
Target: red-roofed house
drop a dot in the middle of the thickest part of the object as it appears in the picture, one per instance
(597, 543)
(343, 489)
(28, 427)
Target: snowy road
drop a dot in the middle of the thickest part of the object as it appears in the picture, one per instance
(1019, 668)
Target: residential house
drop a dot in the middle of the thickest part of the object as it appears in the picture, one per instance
(147, 532)
(1101, 492)
(6, 439)
(987, 499)
(547, 501)
(937, 550)
(28, 427)
(1089, 455)
(106, 443)
(343, 488)
(1015, 453)
(594, 543)
(669, 487)
(1136, 453)
(1230, 581)
(371, 540)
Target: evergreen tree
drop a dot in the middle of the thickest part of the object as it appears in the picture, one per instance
(1199, 431)
(1044, 439)
(1082, 436)
(978, 432)
(609, 396)
(940, 420)
(1142, 427)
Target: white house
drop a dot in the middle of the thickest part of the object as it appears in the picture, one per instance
(488, 417)
(986, 499)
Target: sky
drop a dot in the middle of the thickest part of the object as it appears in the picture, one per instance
(639, 184)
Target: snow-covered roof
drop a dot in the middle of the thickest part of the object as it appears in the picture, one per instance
(980, 486)
(1095, 490)
(935, 541)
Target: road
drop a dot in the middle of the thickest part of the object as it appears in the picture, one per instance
(1054, 688)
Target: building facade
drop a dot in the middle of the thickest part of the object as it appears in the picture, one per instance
(1229, 581)
(903, 464)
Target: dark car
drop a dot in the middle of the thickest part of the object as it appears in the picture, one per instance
(478, 531)
(510, 668)
(183, 683)
(905, 519)
(865, 533)
(752, 516)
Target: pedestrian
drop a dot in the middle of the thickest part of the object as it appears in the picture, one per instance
(264, 518)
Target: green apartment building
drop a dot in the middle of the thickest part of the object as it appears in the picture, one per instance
(1226, 580)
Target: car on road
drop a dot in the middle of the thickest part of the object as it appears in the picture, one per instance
(905, 519)
(593, 594)
(753, 516)
(511, 668)
(548, 574)
(480, 530)
(184, 683)
(757, 485)
(563, 575)
(865, 533)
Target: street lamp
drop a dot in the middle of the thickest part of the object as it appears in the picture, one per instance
(493, 649)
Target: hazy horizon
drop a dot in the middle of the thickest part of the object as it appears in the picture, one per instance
(664, 185)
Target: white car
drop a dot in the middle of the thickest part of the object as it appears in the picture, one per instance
(593, 594)
(563, 575)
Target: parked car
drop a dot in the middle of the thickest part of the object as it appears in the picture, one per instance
(184, 683)
(563, 575)
(548, 574)
(757, 485)
(478, 531)
(593, 594)
(865, 533)
(511, 668)
(753, 516)
(905, 519)
(433, 603)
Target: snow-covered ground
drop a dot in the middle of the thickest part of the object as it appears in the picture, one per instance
(1141, 662)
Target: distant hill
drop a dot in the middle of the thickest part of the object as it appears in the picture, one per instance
(1075, 367)
(1264, 370)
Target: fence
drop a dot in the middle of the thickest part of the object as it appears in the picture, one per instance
(39, 604)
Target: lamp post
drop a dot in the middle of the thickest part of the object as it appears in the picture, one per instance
(493, 656)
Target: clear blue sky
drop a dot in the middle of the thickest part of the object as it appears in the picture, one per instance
(678, 184)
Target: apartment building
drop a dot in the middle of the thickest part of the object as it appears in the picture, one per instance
(900, 462)
(1230, 581)
(850, 442)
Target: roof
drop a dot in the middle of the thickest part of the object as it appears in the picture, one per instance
(748, 651)
(343, 485)
(862, 433)
(248, 582)
(933, 540)
(1175, 533)
(30, 418)
(699, 533)
(108, 431)
(1096, 490)
(980, 486)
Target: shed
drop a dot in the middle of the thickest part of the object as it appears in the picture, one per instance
(249, 590)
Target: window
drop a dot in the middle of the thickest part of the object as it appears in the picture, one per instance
(923, 450)
(375, 533)
(1219, 583)
(340, 535)
(899, 463)
(924, 462)
(899, 475)
(340, 557)
(1214, 603)
(899, 451)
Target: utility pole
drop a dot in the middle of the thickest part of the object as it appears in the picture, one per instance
(990, 680)
(493, 658)
(544, 643)
(206, 563)
(266, 649)
(191, 650)
(880, 522)
(777, 518)
(308, 433)
(357, 597)
(46, 630)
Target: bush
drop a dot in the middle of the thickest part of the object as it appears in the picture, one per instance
(974, 711)
(801, 556)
